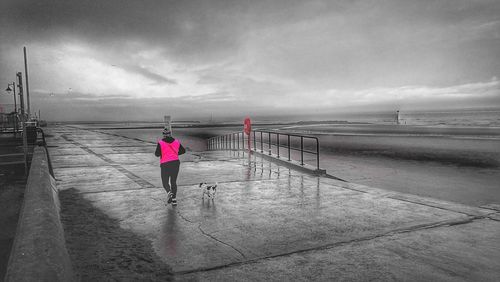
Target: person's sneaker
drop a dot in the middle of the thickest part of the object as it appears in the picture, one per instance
(169, 197)
(174, 202)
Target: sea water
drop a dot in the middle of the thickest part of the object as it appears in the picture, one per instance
(486, 118)
(462, 118)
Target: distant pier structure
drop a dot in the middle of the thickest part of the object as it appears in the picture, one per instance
(167, 120)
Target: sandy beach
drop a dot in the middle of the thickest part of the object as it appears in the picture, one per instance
(459, 164)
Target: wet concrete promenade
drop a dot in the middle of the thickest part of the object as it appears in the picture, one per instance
(267, 222)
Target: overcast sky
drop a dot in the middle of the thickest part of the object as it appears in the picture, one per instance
(130, 60)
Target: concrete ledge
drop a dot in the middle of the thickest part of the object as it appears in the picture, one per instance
(39, 250)
(295, 165)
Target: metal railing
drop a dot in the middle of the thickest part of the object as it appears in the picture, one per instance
(266, 142)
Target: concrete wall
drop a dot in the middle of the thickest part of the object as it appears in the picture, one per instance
(39, 250)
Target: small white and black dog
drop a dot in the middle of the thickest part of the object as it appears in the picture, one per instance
(209, 190)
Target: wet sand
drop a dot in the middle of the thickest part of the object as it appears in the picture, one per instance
(457, 164)
(449, 163)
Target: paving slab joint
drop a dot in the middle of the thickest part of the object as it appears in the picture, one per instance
(209, 235)
(220, 241)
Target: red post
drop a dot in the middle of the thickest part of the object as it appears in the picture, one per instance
(247, 128)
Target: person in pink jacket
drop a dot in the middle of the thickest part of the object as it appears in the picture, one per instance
(169, 149)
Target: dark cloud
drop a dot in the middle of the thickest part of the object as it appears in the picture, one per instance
(183, 27)
(72, 96)
(149, 74)
(209, 30)
(193, 28)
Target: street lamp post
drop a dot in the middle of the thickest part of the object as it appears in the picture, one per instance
(27, 85)
(19, 76)
(13, 84)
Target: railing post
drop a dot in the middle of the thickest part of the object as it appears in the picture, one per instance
(317, 154)
(254, 142)
(269, 139)
(261, 143)
(301, 150)
(278, 142)
(289, 148)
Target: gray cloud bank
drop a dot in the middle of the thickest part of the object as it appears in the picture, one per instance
(224, 106)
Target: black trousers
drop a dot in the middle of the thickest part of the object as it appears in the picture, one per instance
(169, 172)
